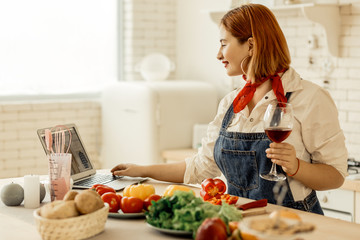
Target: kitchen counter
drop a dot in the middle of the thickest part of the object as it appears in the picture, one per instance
(352, 185)
(18, 223)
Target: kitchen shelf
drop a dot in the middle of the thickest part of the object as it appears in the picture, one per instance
(327, 15)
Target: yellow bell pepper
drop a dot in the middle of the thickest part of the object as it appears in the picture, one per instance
(141, 191)
(169, 191)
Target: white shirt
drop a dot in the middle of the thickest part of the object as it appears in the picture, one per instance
(316, 135)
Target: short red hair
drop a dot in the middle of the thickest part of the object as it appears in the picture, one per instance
(270, 50)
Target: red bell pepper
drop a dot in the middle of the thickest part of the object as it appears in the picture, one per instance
(229, 199)
(215, 201)
(212, 188)
(205, 196)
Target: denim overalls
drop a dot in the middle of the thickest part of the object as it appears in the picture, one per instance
(241, 157)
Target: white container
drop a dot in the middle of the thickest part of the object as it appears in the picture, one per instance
(155, 67)
(199, 133)
(141, 119)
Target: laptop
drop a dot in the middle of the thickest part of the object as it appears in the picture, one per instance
(83, 172)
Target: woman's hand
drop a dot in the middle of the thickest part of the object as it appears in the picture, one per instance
(128, 169)
(283, 154)
(315, 176)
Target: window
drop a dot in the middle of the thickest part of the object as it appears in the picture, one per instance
(57, 46)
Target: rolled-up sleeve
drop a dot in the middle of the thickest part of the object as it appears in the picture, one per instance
(202, 165)
(322, 135)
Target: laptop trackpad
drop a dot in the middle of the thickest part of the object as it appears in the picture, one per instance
(125, 181)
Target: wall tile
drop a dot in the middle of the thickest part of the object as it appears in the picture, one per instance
(21, 150)
(344, 80)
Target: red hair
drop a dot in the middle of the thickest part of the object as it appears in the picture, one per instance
(270, 50)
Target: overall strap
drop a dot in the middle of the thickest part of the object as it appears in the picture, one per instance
(288, 95)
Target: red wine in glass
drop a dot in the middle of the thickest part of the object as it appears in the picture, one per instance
(278, 123)
(278, 134)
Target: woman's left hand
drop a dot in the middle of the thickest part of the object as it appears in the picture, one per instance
(283, 154)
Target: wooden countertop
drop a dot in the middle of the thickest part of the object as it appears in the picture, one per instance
(352, 185)
(18, 223)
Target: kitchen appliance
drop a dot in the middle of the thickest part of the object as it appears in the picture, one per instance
(340, 203)
(353, 169)
(141, 119)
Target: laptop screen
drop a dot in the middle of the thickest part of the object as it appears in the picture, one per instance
(81, 165)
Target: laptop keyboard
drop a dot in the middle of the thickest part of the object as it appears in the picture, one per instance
(97, 179)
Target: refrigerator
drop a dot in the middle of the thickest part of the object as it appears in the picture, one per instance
(141, 119)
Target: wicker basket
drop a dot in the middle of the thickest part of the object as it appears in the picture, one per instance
(80, 227)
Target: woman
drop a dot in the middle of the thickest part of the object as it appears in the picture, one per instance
(314, 156)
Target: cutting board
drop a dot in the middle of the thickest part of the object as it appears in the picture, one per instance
(254, 211)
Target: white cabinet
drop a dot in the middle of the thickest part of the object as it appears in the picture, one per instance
(338, 203)
(327, 15)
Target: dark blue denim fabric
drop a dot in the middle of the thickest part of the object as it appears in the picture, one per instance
(241, 157)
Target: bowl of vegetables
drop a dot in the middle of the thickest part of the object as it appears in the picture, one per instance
(183, 213)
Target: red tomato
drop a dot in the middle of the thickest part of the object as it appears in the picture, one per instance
(131, 205)
(152, 197)
(119, 198)
(113, 200)
(104, 189)
(96, 185)
(212, 229)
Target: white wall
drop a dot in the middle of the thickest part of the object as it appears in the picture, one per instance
(197, 43)
(21, 152)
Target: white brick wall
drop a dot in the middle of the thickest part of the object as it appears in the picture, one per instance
(149, 26)
(21, 152)
(344, 80)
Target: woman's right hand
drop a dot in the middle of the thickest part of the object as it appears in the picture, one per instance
(128, 169)
(170, 172)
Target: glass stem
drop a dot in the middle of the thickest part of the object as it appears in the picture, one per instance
(273, 169)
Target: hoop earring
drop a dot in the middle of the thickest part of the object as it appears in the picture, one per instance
(241, 64)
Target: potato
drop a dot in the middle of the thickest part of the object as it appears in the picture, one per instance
(59, 209)
(70, 195)
(88, 201)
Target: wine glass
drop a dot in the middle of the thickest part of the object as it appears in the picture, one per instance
(278, 124)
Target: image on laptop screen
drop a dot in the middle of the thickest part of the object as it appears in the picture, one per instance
(80, 161)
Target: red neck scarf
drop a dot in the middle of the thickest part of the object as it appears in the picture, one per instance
(247, 92)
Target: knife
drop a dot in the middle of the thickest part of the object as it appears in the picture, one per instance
(253, 204)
